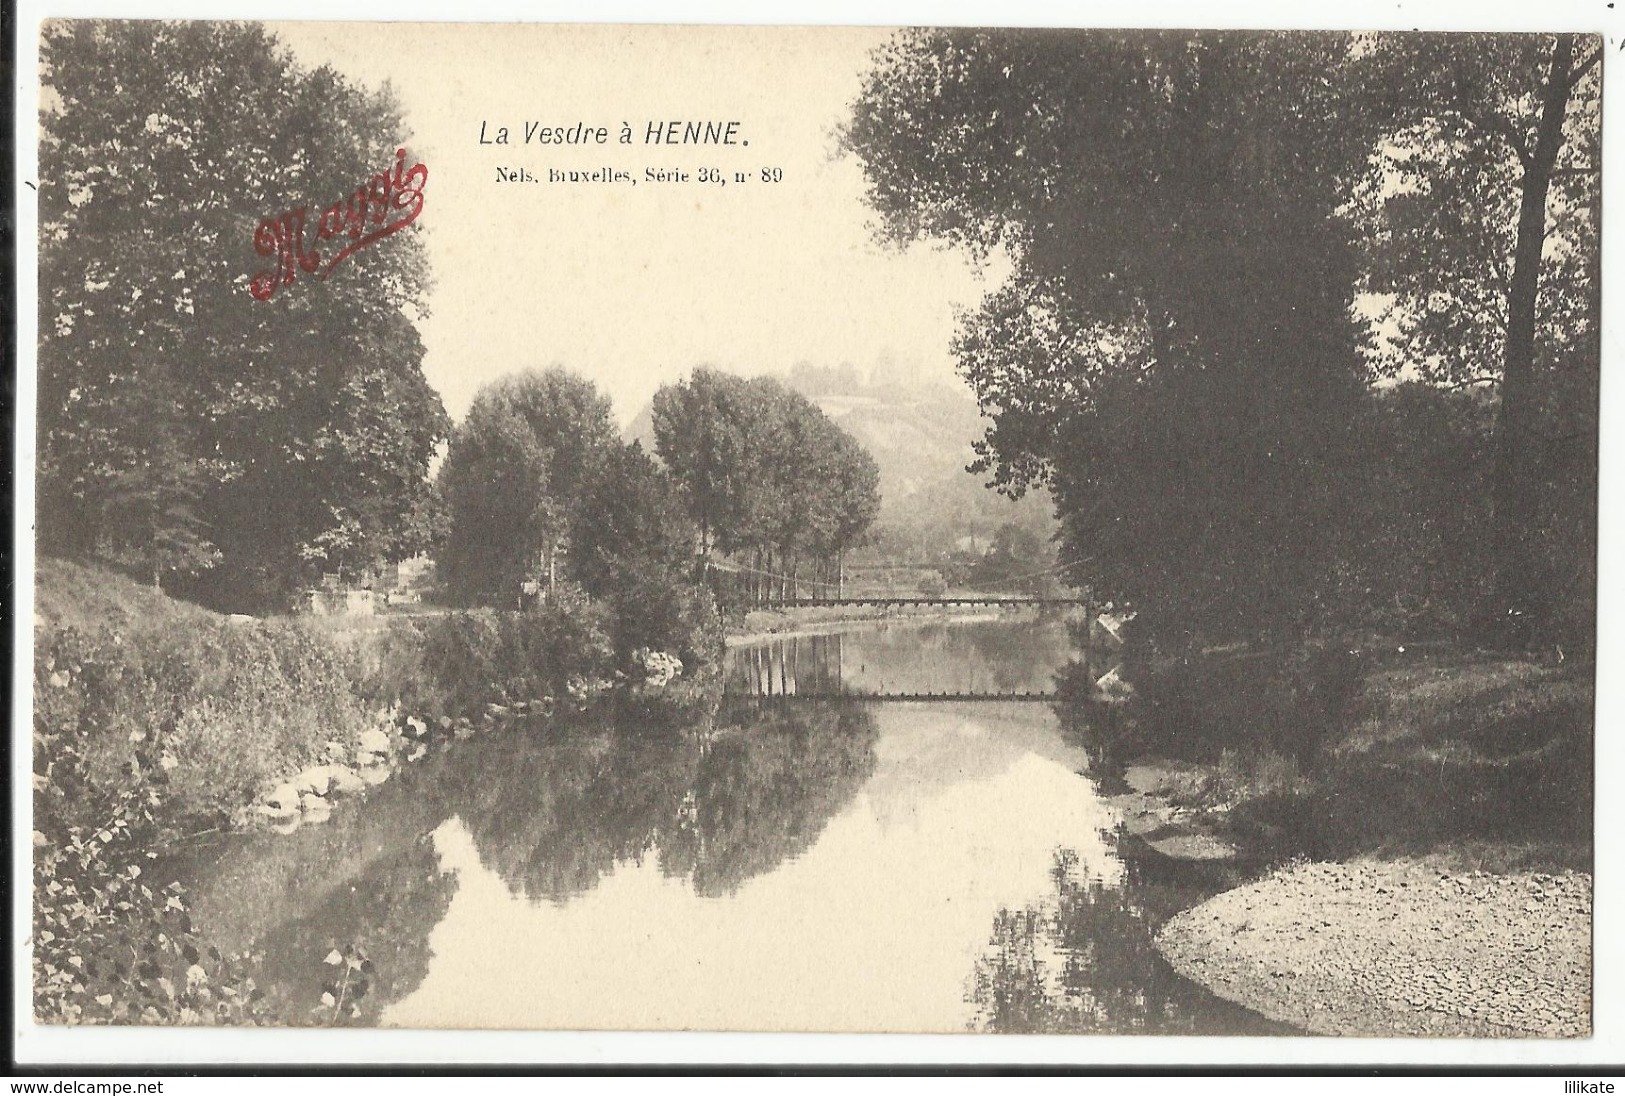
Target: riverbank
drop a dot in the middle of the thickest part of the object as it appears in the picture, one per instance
(1439, 828)
(156, 721)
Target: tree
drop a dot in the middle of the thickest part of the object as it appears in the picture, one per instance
(633, 549)
(179, 418)
(709, 432)
(518, 472)
(766, 473)
(1173, 351)
(1483, 210)
(1018, 559)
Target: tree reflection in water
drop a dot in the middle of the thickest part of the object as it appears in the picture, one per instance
(554, 820)
(389, 912)
(766, 787)
(718, 806)
(1083, 961)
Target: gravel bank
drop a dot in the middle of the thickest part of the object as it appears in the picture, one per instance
(1397, 948)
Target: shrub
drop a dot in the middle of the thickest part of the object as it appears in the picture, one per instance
(274, 699)
(221, 710)
(107, 945)
(454, 666)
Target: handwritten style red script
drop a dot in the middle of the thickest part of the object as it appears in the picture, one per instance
(382, 206)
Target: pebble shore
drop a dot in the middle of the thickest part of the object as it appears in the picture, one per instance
(1397, 948)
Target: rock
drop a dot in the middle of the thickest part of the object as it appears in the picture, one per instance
(1193, 846)
(375, 774)
(284, 799)
(318, 780)
(346, 781)
(373, 741)
(316, 808)
(274, 815)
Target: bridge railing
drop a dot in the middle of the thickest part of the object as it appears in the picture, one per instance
(883, 600)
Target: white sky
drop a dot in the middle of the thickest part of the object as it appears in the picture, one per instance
(634, 287)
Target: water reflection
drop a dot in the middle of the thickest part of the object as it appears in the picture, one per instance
(553, 821)
(1082, 960)
(906, 659)
(388, 911)
(764, 791)
(871, 924)
(801, 865)
(714, 808)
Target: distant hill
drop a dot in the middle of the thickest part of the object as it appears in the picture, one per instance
(920, 434)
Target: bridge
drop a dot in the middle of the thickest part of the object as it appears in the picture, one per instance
(927, 697)
(887, 601)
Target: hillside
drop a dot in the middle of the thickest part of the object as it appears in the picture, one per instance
(73, 595)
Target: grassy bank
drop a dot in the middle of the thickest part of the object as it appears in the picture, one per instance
(1473, 760)
(154, 719)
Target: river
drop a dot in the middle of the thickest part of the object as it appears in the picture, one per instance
(810, 861)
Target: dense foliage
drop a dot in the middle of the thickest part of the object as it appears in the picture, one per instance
(543, 498)
(515, 482)
(1199, 228)
(766, 475)
(107, 944)
(456, 666)
(1019, 560)
(227, 446)
(210, 714)
(176, 722)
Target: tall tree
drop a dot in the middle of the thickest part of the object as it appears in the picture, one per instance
(1483, 213)
(710, 432)
(1173, 350)
(275, 437)
(765, 472)
(633, 549)
(519, 470)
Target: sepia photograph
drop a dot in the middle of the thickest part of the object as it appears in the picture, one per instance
(824, 529)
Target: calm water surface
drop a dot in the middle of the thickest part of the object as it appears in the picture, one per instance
(800, 865)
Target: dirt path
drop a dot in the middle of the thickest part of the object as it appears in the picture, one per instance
(1397, 948)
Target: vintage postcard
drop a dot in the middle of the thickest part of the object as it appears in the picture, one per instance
(811, 529)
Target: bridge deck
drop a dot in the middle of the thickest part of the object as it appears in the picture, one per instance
(881, 600)
(1036, 698)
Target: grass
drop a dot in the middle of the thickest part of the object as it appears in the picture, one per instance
(1473, 761)
(73, 595)
(1466, 709)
